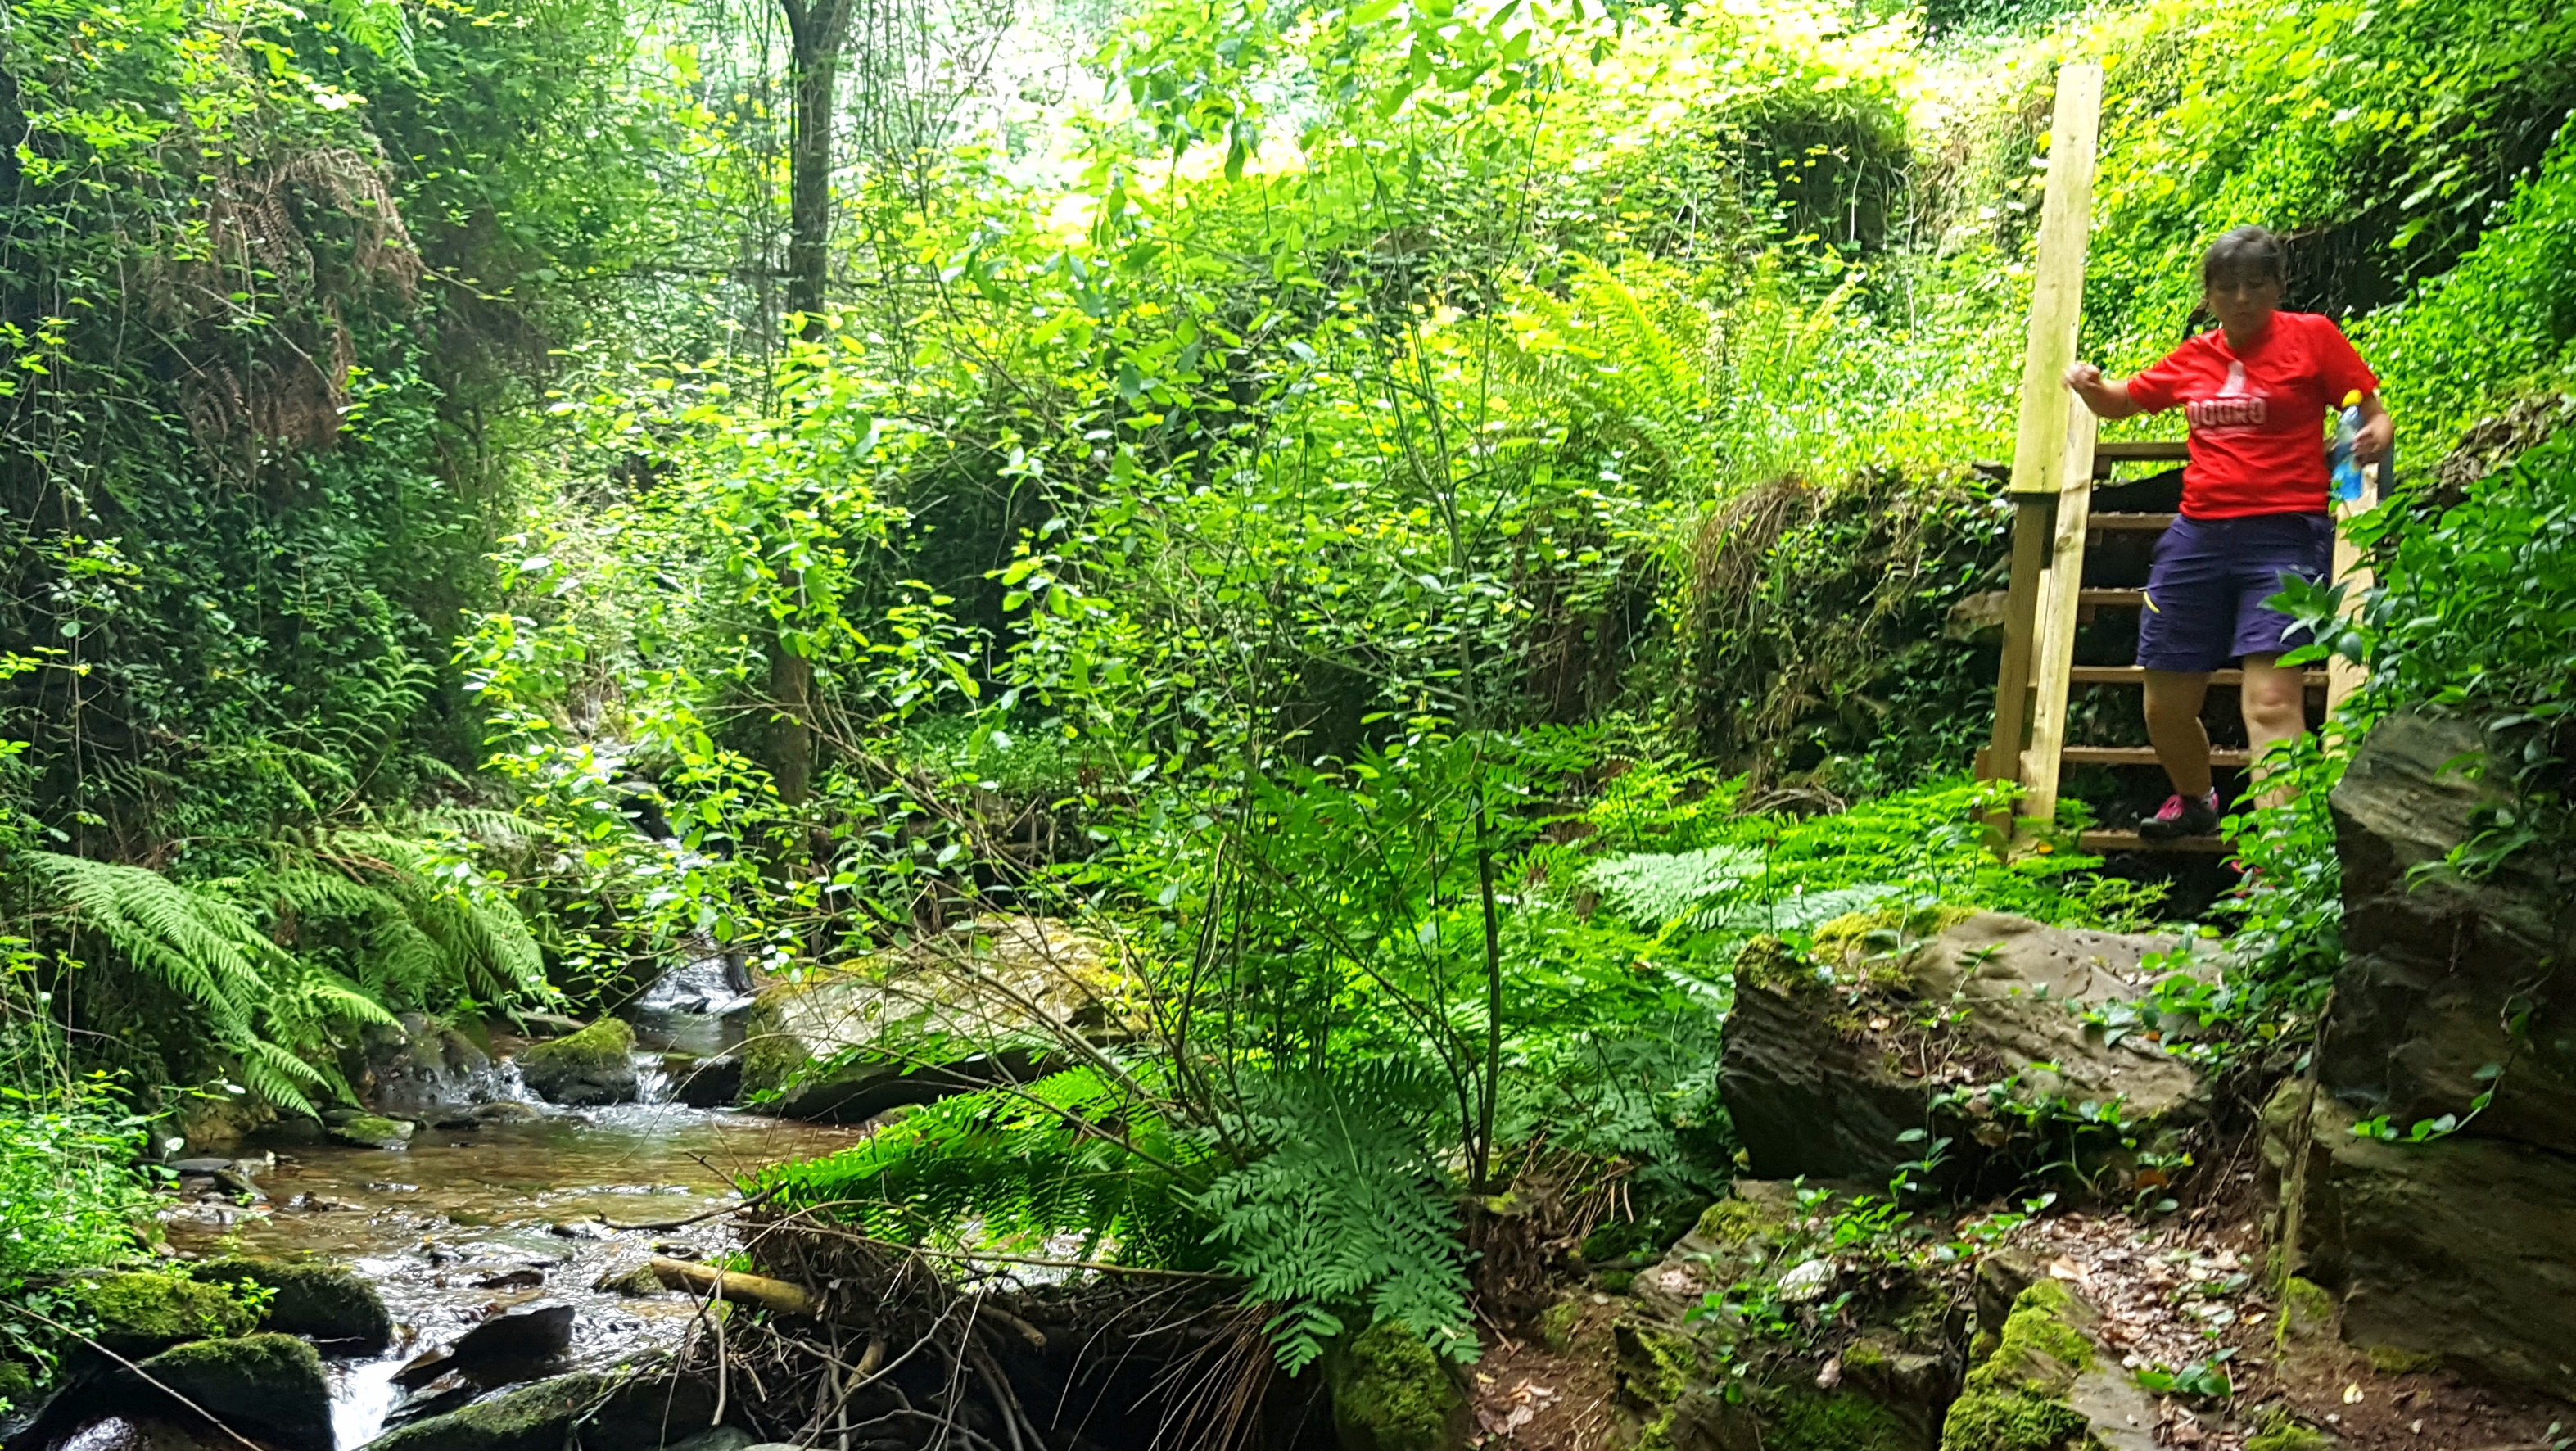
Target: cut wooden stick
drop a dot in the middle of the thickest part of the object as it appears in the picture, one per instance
(717, 1284)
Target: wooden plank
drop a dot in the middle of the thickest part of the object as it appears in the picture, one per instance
(2057, 608)
(2057, 286)
(2140, 756)
(2101, 843)
(2137, 675)
(2031, 541)
(2116, 598)
(2115, 523)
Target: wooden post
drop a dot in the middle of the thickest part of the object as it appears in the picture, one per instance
(2343, 677)
(2057, 286)
(2032, 514)
(2041, 467)
(2058, 597)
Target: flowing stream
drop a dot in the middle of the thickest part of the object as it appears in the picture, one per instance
(466, 1224)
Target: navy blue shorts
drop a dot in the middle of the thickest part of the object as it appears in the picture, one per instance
(2205, 595)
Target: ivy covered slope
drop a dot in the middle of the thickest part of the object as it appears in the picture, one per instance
(1421, 534)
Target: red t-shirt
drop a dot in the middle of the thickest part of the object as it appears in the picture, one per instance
(2257, 421)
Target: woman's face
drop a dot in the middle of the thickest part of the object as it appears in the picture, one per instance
(2242, 303)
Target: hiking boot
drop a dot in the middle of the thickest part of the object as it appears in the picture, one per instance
(2181, 816)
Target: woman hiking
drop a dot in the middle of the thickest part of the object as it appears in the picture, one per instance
(2256, 390)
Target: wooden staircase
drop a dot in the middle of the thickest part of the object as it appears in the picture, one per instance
(2072, 528)
(2057, 463)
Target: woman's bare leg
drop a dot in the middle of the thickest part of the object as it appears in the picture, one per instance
(2275, 701)
(2173, 724)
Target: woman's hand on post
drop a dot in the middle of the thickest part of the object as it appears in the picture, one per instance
(2378, 432)
(2105, 397)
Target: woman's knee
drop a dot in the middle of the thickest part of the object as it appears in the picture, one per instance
(2276, 699)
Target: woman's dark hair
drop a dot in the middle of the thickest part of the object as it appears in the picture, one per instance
(2247, 254)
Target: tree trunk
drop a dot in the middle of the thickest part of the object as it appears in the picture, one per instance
(791, 706)
(816, 33)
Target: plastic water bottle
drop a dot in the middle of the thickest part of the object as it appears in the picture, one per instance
(2346, 469)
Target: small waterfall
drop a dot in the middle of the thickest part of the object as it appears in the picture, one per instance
(652, 1080)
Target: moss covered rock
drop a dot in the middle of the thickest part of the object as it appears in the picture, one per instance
(139, 1313)
(983, 1002)
(269, 1387)
(324, 1302)
(637, 1283)
(1391, 1393)
(2017, 1398)
(367, 1131)
(1656, 1364)
(1799, 1419)
(593, 1066)
(1555, 1324)
(17, 1384)
(420, 1069)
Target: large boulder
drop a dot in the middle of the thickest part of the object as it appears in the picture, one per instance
(2462, 1250)
(327, 1303)
(269, 1388)
(971, 1007)
(593, 1066)
(1965, 1026)
(516, 1346)
(2438, 965)
(704, 1082)
(416, 1069)
(2048, 1384)
(2457, 1248)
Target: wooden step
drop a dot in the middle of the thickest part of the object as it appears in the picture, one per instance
(2142, 756)
(2102, 843)
(2155, 451)
(2115, 523)
(2117, 598)
(2137, 675)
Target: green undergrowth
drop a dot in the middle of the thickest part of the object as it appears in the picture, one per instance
(1724, 875)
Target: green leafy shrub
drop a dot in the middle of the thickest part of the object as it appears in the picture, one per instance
(69, 1191)
(2476, 613)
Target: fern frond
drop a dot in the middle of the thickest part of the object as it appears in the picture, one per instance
(1652, 889)
(197, 945)
(1344, 1211)
(279, 1076)
(428, 937)
(1070, 1153)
